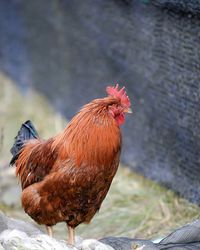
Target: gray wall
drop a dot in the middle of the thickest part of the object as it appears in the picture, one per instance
(70, 50)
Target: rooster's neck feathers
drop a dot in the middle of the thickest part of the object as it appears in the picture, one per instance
(92, 136)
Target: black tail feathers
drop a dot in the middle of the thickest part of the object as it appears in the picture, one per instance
(26, 132)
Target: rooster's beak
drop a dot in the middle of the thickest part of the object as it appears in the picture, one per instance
(128, 110)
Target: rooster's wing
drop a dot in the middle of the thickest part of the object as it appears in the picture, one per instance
(35, 162)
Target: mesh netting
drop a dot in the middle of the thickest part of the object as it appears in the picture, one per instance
(187, 6)
(171, 98)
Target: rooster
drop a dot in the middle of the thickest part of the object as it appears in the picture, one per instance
(66, 178)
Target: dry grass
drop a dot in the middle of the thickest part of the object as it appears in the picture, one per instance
(134, 207)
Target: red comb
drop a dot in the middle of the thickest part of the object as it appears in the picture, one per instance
(119, 93)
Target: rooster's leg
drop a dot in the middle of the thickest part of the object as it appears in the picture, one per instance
(49, 231)
(70, 235)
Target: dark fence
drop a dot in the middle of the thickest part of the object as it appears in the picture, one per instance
(70, 50)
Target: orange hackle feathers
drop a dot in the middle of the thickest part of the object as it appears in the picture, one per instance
(89, 143)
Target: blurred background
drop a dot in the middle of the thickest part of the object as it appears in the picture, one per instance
(57, 55)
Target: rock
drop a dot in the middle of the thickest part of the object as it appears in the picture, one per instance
(16, 239)
(91, 244)
(13, 224)
(17, 234)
